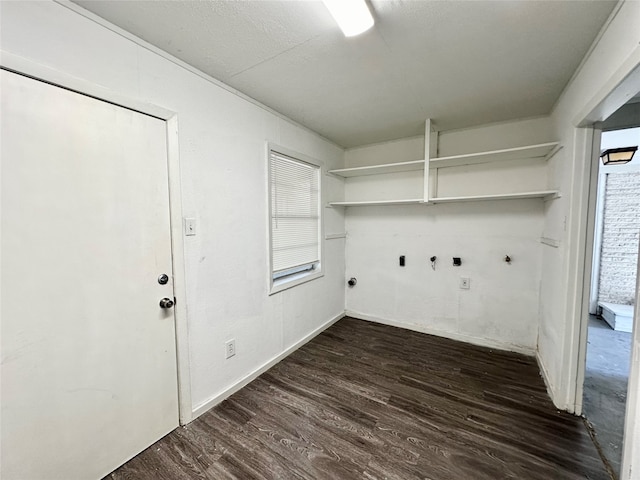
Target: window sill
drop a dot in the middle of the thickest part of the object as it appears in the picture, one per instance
(294, 280)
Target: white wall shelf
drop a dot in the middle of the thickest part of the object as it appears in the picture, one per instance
(392, 183)
(542, 150)
(369, 203)
(379, 169)
(544, 194)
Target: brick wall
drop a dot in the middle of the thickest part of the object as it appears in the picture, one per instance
(621, 230)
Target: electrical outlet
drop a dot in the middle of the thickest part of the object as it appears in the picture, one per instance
(465, 283)
(230, 348)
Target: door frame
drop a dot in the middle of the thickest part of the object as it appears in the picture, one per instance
(28, 68)
(621, 86)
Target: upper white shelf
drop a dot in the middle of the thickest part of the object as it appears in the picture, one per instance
(379, 169)
(543, 194)
(542, 150)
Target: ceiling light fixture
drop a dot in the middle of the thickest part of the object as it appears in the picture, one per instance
(353, 16)
(618, 156)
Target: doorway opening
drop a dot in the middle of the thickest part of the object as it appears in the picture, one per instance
(613, 287)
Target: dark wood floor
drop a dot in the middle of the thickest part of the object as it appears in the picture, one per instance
(369, 401)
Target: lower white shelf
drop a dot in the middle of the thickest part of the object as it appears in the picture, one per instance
(544, 194)
(369, 203)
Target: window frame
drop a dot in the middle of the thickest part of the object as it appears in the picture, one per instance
(298, 278)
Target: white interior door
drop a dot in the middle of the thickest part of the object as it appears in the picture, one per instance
(88, 356)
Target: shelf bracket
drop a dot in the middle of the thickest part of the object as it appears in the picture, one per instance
(555, 150)
(430, 146)
(553, 196)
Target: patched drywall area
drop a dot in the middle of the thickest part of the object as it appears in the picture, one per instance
(223, 160)
(500, 307)
(620, 234)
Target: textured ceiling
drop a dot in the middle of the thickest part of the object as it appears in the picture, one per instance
(461, 63)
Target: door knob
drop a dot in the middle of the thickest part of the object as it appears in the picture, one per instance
(166, 303)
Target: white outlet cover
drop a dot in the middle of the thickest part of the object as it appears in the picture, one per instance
(465, 283)
(230, 348)
(189, 226)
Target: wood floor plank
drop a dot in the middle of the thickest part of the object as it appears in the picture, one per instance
(370, 401)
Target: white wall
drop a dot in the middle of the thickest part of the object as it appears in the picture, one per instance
(223, 168)
(501, 307)
(614, 56)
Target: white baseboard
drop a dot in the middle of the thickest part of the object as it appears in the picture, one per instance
(483, 342)
(216, 399)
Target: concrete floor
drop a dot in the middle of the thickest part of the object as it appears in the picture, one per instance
(605, 386)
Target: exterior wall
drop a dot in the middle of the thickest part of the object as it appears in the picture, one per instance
(621, 231)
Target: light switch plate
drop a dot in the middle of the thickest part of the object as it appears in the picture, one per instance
(189, 226)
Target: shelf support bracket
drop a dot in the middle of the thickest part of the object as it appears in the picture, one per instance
(430, 150)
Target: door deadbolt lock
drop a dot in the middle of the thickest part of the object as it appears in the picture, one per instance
(166, 303)
(163, 279)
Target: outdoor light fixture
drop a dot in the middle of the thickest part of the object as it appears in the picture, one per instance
(353, 16)
(618, 156)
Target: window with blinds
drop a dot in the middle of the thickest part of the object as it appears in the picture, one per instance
(295, 218)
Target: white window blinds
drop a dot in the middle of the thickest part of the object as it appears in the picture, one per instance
(295, 220)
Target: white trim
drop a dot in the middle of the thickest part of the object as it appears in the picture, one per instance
(167, 56)
(243, 382)
(574, 268)
(631, 445)
(286, 283)
(587, 274)
(482, 342)
(179, 276)
(616, 91)
(29, 68)
(43, 73)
